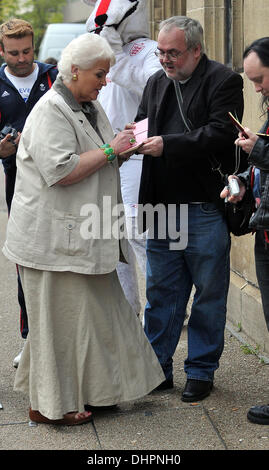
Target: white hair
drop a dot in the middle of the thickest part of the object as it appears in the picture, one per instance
(83, 52)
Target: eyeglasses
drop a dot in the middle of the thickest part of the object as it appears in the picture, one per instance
(172, 55)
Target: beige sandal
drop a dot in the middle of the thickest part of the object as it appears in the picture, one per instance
(70, 419)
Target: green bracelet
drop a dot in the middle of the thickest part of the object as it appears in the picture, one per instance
(109, 152)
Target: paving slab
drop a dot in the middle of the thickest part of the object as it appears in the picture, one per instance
(159, 427)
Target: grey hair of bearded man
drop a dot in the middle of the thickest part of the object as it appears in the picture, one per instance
(193, 30)
(84, 51)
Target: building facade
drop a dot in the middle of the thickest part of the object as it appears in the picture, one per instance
(76, 11)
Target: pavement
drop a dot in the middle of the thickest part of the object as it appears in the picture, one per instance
(157, 423)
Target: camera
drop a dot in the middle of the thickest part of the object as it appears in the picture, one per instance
(233, 187)
(8, 129)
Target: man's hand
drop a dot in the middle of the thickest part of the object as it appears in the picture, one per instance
(226, 194)
(152, 146)
(8, 147)
(247, 144)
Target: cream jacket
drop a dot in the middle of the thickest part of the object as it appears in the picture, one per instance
(64, 228)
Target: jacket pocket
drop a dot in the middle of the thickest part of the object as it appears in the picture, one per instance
(67, 238)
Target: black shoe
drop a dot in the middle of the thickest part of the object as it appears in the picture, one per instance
(165, 385)
(196, 390)
(259, 414)
(101, 408)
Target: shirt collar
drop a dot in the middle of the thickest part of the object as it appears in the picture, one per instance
(67, 95)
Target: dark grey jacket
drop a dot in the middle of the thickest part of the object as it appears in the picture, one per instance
(259, 157)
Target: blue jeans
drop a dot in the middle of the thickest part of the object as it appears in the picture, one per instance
(205, 264)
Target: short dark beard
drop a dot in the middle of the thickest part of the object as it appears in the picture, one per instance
(16, 72)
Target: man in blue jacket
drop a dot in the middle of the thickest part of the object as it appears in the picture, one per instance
(23, 82)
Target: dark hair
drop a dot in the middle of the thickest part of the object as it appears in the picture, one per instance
(50, 60)
(261, 48)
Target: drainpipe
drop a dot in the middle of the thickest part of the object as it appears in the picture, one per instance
(228, 33)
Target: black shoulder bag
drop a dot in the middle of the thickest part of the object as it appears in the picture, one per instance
(237, 215)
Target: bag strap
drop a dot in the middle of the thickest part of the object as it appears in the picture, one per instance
(49, 80)
(185, 120)
(215, 164)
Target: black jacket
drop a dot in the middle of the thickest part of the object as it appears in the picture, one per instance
(212, 91)
(259, 157)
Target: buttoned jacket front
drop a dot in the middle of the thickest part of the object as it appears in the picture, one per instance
(56, 227)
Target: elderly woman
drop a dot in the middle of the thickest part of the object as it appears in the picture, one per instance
(85, 346)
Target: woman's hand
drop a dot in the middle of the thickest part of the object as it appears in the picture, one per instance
(122, 141)
(225, 193)
(130, 125)
(247, 144)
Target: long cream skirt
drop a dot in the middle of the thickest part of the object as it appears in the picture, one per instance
(85, 345)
